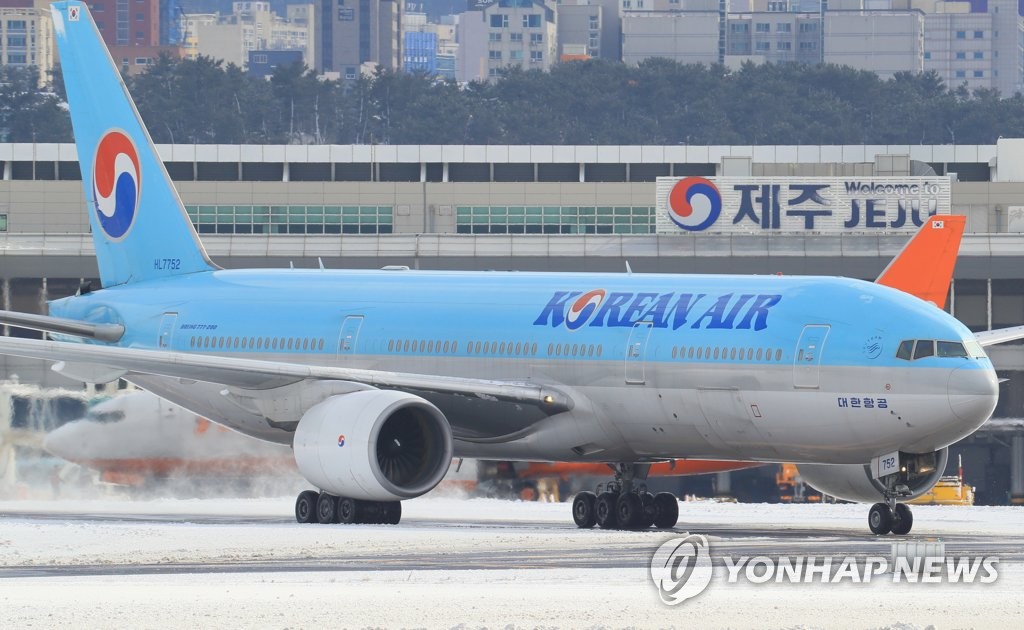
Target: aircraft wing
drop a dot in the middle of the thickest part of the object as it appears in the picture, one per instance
(258, 374)
(1001, 335)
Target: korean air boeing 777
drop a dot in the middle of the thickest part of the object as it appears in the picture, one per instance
(378, 378)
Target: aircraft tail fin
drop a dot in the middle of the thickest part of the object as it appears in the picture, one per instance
(139, 226)
(924, 267)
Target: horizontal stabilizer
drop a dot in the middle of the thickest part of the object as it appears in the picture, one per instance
(100, 332)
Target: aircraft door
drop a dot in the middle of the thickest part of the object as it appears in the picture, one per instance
(636, 352)
(166, 333)
(807, 360)
(349, 334)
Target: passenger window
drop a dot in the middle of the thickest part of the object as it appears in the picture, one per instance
(778, 354)
(689, 353)
(446, 346)
(700, 353)
(519, 348)
(906, 350)
(716, 353)
(423, 346)
(477, 349)
(759, 353)
(320, 346)
(221, 345)
(950, 349)
(558, 350)
(599, 351)
(674, 351)
(455, 346)
(924, 348)
(193, 342)
(732, 354)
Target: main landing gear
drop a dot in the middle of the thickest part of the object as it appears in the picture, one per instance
(320, 507)
(624, 504)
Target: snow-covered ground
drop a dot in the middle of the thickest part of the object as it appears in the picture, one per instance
(234, 533)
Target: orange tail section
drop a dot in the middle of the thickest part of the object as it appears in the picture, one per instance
(924, 268)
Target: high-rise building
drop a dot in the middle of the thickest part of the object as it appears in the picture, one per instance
(251, 26)
(357, 34)
(428, 46)
(975, 45)
(593, 25)
(501, 33)
(26, 36)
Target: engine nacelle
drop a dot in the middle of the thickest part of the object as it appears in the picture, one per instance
(375, 445)
(854, 482)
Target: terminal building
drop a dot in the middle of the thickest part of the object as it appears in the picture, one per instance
(566, 208)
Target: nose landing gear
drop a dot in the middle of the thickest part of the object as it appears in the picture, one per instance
(624, 504)
(891, 516)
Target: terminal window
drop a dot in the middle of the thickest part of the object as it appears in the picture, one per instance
(555, 220)
(292, 219)
(3, 222)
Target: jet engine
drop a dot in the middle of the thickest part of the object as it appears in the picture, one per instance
(854, 482)
(375, 445)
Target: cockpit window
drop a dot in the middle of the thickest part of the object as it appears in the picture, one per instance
(924, 348)
(105, 416)
(906, 351)
(911, 350)
(950, 349)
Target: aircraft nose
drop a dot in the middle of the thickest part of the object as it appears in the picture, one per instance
(973, 393)
(63, 442)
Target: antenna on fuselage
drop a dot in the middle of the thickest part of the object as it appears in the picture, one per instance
(629, 269)
(321, 261)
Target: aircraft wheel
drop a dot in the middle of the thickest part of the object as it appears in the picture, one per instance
(305, 506)
(348, 511)
(649, 513)
(326, 508)
(584, 510)
(630, 510)
(902, 519)
(666, 510)
(392, 512)
(880, 519)
(605, 510)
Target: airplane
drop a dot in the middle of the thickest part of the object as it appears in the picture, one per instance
(136, 439)
(377, 378)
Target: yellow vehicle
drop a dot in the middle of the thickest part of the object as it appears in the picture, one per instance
(950, 490)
